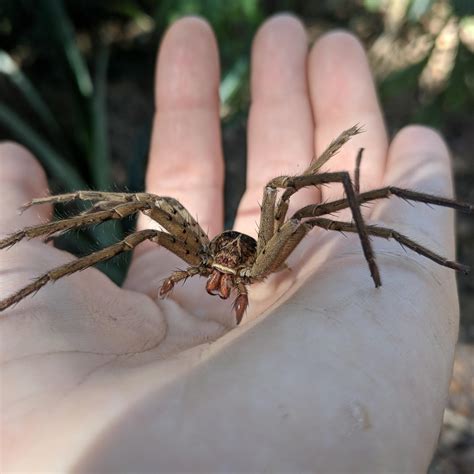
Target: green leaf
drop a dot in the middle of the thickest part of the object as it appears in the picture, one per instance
(463, 7)
(373, 5)
(232, 81)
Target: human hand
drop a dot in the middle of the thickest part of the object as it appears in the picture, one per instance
(326, 373)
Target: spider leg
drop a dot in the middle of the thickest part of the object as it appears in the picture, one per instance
(125, 245)
(267, 217)
(101, 206)
(82, 195)
(388, 233)
(241, 302)
(173, 207)
(316, 165)
(332, 149)
(266, 227)
(168, 212)
(293, 231)
(316, 210)
(118, 212)
(174, 217)
(293, 184)
(176, 277)
(357, 171)
(167, 204)
(278, 249)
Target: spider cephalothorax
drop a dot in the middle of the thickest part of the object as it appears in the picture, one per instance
(224, 262)
(231, 253)
(231, 261)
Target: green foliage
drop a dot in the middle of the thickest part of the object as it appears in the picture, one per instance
(418, 8)
(463, 7)
(76, 160)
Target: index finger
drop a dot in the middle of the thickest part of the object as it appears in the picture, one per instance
(186, 156)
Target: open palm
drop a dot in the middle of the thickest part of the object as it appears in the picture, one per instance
(100, 378)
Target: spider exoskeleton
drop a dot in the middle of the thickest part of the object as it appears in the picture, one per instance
(231, 261)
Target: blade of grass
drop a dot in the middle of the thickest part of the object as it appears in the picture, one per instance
(100, 162)
(64, 32)
(100, 166)
(231, 85)
(231, 82)
(54, 163)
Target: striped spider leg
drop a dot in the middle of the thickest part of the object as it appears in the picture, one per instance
(182, 235)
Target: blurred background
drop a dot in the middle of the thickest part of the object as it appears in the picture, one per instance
(76, 88)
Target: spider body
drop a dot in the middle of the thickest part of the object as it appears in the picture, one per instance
(231, 261)
(233, 251)
(224, 262)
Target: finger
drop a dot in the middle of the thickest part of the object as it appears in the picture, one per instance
(343, 94)
(280, 131)
(21, 179)
(419, 159)
(186, 157)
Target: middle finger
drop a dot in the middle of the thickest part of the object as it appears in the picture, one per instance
(280, 128)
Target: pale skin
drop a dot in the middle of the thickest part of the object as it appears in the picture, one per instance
(325, 374)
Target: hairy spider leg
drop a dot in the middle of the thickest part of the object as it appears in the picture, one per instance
(176, 277)
(267, 217)
(276, 251)
(76, 195)
(388, 233)
(293, 184)
(128, 243)
(118, 212)
(332, 149)
(315, 210)
(266, 228)
(357, 171)
(167, 211)
(125, 245)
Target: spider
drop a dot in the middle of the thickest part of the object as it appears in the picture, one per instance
(231, 261)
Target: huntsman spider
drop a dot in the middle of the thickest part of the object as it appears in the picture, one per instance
(231, 261)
